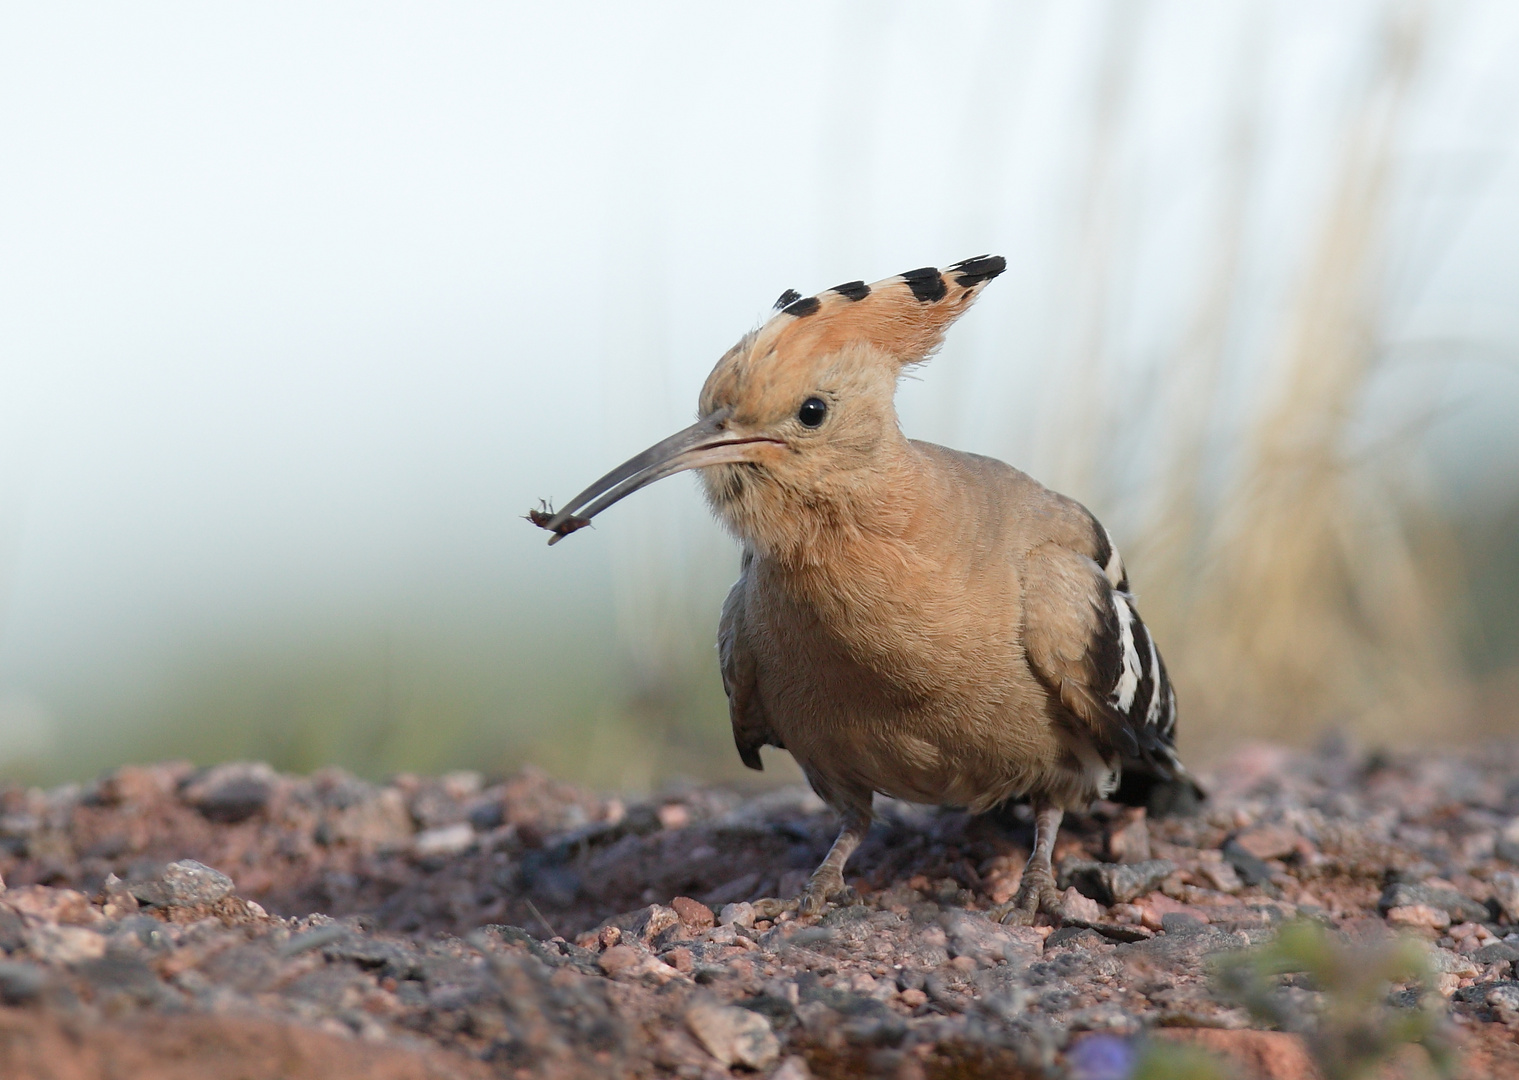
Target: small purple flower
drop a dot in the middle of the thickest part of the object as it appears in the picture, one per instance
(1102, 1057)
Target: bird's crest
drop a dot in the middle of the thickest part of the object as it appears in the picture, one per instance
(903, 316)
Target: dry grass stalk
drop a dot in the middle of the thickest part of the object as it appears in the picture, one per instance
(1314, 608)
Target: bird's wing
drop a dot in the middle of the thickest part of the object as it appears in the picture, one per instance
(1085, 642)
(751, 729)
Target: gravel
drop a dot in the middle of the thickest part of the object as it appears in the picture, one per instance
(461, 927)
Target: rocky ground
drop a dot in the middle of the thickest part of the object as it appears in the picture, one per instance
(170, 922)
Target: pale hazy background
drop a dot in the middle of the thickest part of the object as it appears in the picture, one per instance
(303, 305)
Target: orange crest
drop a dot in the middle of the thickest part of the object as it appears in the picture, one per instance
(903, 316)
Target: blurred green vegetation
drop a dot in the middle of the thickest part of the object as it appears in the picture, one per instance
(1352, 1026)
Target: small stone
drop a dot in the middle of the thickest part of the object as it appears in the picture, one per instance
(115, 899)
(1074, 937)
(740, 914)
(653, 921)
(139, 784)
(186, 883)
(1268, 841)
(674, 816)
(1251, 869)
(1499, 952)
(793, 1068)
(20, 983)
(1130, 841)
(1504, 1001)
(444, 840)
(1221, 876)
(972, 934)
(461, 784)
(233, 792)
(53, 905)
(680, 959)
(912, 998)
(1116, 883)
(1506, 892)
(609, 936)
(734, 1036)
(487, 814)
(1419, 916)
(12, 930)
(618, 960)
(64, 944)
(1157, 906)
(1506, 843)
(1460, 908)
(693, 914)
(1077, 908)
(359, 814)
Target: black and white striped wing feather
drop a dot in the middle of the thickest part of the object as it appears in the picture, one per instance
(1086, 642)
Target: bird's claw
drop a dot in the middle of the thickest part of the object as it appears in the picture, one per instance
(825, 888)
(1036, 894)
(770, 907)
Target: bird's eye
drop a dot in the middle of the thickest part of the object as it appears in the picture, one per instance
(812, 412)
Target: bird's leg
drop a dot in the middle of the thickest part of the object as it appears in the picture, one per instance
(1036, 892)
(828, 879)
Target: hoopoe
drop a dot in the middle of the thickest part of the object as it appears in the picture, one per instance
(921, 622)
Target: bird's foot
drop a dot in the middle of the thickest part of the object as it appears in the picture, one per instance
(771, 907)
(1036, 893)
(826, 885)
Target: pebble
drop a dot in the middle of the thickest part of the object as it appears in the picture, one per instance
(1221, 875)
(444, 840)
(1504, 1001)
(20, 982)
(1117, 883)
(1458, 907)
(1251, 869)
(1130, 843)
(619, 959)
(1154, 909)
(680, 959)
(54, 905)
(653, 921)
(12, 930)
(53, 944)
(233, 792)
(1506, 892)
(739, 914)
(1077, 908)
(734, 1036)
(693, 914)
(1506, 845)
(793, 1068)
(186, 883)
(1419, 916)
(1268, 841)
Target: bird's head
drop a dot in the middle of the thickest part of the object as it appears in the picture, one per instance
(794, 412)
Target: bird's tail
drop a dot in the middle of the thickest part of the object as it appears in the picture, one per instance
(1179, 793)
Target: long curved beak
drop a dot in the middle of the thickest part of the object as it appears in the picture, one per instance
(706, 442)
